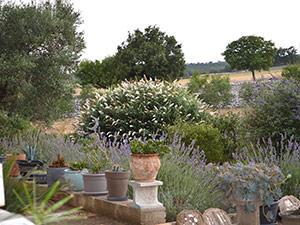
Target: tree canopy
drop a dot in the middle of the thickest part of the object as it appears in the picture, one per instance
(250, 53)
(39, 49)
(151, 53)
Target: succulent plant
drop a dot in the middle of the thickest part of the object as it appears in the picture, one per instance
(251, 182)
(30, 151)
(59, 162)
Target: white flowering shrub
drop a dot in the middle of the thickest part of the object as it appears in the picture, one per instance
(140, 108)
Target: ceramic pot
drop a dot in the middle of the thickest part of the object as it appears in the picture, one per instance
(268, 214)
(74, 179)
(15, 171)
(145, 167)
(27, 166)
(94, 184)
(54, 174)
(117, 185)
(245, 217)
(39, 178)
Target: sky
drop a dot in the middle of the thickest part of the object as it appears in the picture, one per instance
(203, 27)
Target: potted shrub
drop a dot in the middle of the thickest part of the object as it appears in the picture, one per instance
(31, 162)
(145, 161)
(73, 176)
(117, 183)
(56, 170)
(15, 171)
(250, 186)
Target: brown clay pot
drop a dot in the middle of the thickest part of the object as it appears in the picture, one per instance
(291, 220)
(117, 185)
(145, 167)
(15, 171)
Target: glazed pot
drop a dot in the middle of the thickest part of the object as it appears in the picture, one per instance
(145, 167)
(54, 174)
(15, 171)
(268, 214)
(94, 184)
(117, 185)
(27, 166)
(39, 178)
(74, 179)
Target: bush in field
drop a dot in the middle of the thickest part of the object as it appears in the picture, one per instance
(214, 90)
(12, 125)
(203, 136)
(292, 71)
(140, 108)
(275, 110)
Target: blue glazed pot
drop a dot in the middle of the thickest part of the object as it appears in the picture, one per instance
(74, 179)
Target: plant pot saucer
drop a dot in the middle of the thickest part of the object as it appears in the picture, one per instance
(95, 193)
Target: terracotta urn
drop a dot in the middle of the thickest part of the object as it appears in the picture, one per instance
(145, 167)
(15, 170)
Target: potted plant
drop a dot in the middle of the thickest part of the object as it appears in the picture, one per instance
(73, 176)
(56, 170)
(94, 182)
(249, 186)
(145, 161)
(117, 183)
(31, 162)
(15, 171)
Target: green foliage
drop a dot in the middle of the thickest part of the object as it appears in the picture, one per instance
(39, 49)
(250, 182)
(229, 126)
(150, 147)
(214, 90)
(141, 108)
(39, 210)
(12, 125)
(274, 111)
(291, 72)
(151, 53)
(186, 186)
(250, 53)
(291, 186)
(204, 136)
(246, 92)
(101, 74)
(210, 67)
(79, 165)
(285, 56)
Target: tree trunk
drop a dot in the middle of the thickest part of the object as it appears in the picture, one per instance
(253, 74)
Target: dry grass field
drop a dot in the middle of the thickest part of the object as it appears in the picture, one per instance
(245, 75)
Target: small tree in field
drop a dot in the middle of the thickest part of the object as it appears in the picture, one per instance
(250, 53)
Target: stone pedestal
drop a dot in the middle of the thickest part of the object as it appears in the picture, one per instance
(145, 194)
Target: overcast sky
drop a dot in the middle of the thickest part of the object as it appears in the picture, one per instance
(203, 27)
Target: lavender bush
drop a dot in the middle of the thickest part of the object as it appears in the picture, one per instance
(275, 109)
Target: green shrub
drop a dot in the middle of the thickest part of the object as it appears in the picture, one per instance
(140, 108)
(101, 74)
(275, 111)
(292, 71)
(246, 92)
(229, 126)
(214, 90)
(150, 147)
(205, 137)
(12, 125)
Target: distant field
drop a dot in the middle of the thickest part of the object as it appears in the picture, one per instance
(245, 75)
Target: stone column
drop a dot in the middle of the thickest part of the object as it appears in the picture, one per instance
(145, 194)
